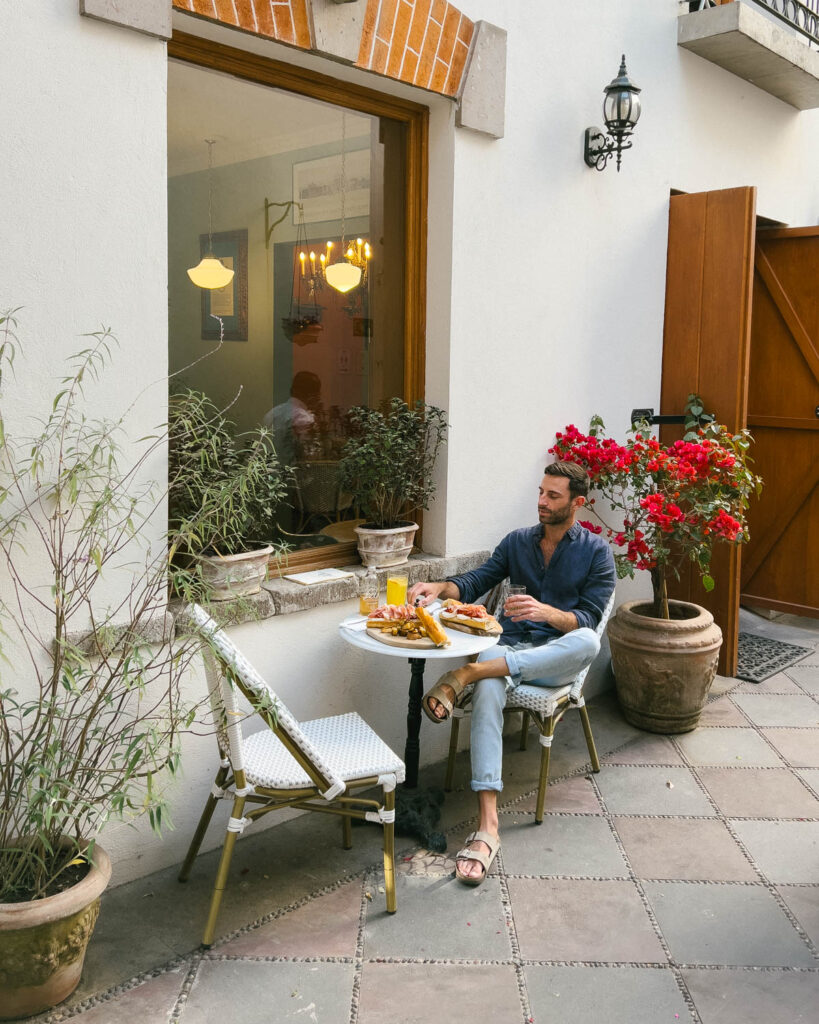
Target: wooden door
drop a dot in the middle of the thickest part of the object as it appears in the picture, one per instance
(706, 343)
(780, 566)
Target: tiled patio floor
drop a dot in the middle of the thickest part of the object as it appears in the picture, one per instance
(679, 884)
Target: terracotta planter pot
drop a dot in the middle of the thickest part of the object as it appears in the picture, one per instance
(663, 667)
(231, 576)
(383, 548)
(43, 943)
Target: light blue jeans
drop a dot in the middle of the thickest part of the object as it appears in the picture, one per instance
(555, 663)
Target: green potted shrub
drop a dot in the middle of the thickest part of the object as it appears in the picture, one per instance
(224, 492)
(672, 503)
(91, 708)
(387, 466)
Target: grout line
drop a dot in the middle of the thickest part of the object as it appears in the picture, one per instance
(355, 997)
(187, 985)
(655, 924)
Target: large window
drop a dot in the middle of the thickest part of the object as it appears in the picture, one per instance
(295, 180)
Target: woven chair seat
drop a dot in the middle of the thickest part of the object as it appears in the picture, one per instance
(543, 699)
(345, 743)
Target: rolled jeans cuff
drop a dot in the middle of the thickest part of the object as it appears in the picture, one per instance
(495, 786)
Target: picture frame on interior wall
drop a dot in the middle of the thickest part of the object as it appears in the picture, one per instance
(317, 186)
(228, 303)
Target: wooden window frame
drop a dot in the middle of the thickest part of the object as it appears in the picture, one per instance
(265, 71)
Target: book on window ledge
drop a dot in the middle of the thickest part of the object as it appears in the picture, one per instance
(319, 576)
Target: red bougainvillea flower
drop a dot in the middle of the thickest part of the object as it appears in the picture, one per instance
(670, 503)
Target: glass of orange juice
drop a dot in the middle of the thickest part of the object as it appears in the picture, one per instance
(397, 588)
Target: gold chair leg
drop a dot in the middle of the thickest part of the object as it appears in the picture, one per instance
(524, 730)
(453, 750)
(389, 854)
(547, 733)
(584, 718)
(222, 875)
(347, 832)
(201, 829)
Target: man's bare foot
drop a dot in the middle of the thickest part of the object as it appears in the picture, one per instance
(435, 706)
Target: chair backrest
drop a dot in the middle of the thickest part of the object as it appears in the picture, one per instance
(224, 663)
(577, 686)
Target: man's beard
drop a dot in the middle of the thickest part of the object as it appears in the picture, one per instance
(555, 517)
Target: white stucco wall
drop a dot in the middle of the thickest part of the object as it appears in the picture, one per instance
(545, 289)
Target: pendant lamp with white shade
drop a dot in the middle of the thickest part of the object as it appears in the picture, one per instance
(210, 272)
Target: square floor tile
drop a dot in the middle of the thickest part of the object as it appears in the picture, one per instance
(799, 747)
(422, 993)
(441, 919)
(570, 845)
(683, 848)
(566, 919)
(803, 903)
(785, 851)
(788, 709)
(811, 776)
(616, 995)
(779, 683)
(258, 992)
(722, 712)
(648, 748)
(575, 795)
(326, 926)
(634, 790)
(727, 746)
(723, 684)
(758, 793)
(754, 997)
(807, 676)
(153, 1000)
(726, 924)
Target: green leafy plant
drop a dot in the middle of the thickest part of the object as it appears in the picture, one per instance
(388, 462)
(91, 705)
(676, 500)
(225, 487)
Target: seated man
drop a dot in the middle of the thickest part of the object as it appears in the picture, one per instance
(548, 634)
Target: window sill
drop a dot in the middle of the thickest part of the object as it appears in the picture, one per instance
(283, 597)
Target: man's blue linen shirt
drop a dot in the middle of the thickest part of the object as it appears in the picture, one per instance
(580, 578)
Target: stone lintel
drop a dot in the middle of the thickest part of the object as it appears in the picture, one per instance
(483, 89)
(755, 47)
(151, 17)
(337, 29)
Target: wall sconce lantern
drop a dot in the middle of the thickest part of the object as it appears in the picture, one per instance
(621, 112)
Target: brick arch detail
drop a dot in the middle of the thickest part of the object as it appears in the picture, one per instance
(422, 42)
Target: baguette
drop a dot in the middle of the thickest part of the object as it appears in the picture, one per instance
(434, 631)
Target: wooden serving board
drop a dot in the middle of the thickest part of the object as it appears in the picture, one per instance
(400, 641)
(494, 630)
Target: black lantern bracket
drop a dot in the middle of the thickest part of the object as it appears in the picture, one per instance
(660, 419)
(599, 148)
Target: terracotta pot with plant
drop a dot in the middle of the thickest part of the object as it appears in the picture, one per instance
(91, 704)
(387, 467)
(672, 503)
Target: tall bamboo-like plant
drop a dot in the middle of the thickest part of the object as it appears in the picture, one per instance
(91, 706)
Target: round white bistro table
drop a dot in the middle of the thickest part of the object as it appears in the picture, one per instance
(462, 645)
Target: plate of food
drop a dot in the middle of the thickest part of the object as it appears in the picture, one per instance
(401, 625)
(469, 618)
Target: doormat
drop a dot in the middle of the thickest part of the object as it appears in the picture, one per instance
(760, 657)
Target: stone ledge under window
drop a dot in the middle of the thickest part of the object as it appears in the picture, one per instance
(281, 597)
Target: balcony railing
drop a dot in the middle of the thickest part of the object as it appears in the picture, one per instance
(802, 15)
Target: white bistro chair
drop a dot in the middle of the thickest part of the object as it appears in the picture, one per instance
(542, 705)
(312, 766)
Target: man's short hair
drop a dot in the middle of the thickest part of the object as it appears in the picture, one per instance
(577, 476)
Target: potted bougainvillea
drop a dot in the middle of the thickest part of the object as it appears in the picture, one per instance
(666, 505)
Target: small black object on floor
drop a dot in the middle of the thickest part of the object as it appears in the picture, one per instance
(417, 812)
(759, 657)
